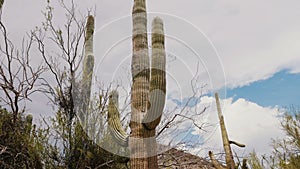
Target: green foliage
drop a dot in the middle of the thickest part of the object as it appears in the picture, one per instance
(19, 145)
(25, 146)
(287, 151)
(254, 161)
(76, 151)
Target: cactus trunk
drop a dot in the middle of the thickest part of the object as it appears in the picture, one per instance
(230, 164)
(88, 65)
(147, 97)
(140, 88)
(228, 153)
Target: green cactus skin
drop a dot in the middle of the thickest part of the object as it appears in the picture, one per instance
(88, 65)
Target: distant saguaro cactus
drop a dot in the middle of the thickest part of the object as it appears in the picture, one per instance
(148, 92)
(230, 164)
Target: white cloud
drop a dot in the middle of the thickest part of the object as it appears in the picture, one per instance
(246, 122)
(254, 39)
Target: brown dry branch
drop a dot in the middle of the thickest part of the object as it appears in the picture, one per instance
(18, 76)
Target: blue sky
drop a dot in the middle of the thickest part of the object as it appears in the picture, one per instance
(252, 107)
(282, 89)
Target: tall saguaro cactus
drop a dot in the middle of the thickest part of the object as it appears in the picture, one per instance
(88, 65)
(147, 93)
(228, 153)
(79, 143)
(230, 164)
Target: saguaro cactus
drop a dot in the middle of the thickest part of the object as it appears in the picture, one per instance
(148, 91)
(88, 65)
(230, 164)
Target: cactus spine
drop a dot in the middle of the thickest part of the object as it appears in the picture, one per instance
(147, 93)
(230, 164)
(88, 65)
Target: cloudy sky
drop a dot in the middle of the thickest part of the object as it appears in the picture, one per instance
(247, 50)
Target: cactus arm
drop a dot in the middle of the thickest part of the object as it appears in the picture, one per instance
(114, 124)
(237, 143)
(228, 153)
(214, 161)
(88, 65)
(158, 76)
